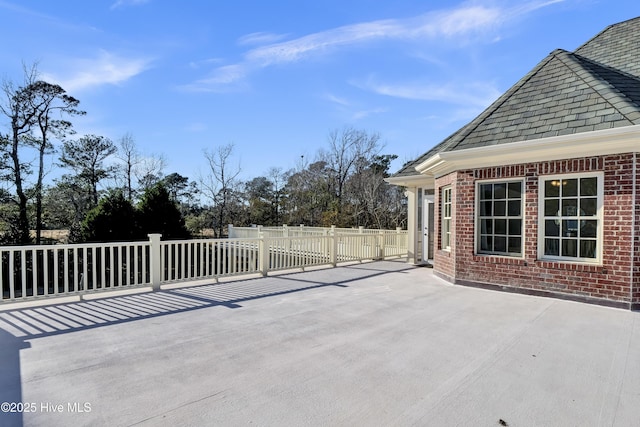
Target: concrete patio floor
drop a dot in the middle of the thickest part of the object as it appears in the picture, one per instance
(371, 344)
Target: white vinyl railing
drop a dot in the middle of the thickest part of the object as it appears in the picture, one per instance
(34, 272)
(301, 230)
(28, 272)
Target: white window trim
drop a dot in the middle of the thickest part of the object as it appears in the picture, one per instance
(442, 210)
(476, 237)
(599, 217)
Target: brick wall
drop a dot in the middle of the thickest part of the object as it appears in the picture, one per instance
(615, 281)
(442, 258)
(636, 239)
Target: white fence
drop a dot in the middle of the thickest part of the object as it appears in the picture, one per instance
(34, 272)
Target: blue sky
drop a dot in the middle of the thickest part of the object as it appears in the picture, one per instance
(275, 77)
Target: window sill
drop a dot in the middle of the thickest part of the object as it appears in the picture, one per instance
(589, 267)
(499, 259)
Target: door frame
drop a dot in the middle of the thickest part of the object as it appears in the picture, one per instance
(427, 228)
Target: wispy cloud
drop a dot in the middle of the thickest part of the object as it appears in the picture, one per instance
(196, 127)
(336, 99)
(260, 38)
(107, 68)
(358, 115)
(350, 111)
(124, 3)
(462, 93)
(458, 25)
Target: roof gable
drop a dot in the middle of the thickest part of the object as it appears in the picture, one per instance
(617, 46)
(566, 93)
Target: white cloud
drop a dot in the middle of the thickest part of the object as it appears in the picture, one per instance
(196, 127)
(456, 24)
(220, 79)
(365, 113)
(124, 3)
(477, 94)
(336, 100)
(260, 38)
(107, 68)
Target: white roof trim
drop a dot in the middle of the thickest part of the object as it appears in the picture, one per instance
(411, 180)
(596, 143)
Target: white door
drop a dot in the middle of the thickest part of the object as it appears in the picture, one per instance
(427, 223)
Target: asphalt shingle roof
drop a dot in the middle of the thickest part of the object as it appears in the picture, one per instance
(596, 87)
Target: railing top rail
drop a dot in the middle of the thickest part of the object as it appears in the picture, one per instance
(74, 245)
(223, 240)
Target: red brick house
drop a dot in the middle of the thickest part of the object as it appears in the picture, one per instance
(541, 192)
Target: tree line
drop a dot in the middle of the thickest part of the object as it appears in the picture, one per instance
(107, 190)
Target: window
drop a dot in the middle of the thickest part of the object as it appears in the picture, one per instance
(571, 222)
(499, 230)
(446, 218)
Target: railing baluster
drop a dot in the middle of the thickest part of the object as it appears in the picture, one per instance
(45, 266)
(23, 266)
(136, 264)
(12, 274)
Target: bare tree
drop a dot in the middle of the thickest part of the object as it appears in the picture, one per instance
(348, 148)
(149, 171)
(219, 181)
(278, 180)
(130, 157)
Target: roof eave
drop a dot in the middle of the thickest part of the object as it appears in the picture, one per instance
(418, 180)
(585, 144)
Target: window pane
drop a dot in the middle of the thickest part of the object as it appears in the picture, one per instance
(514, 207)
(501, 226)
(500, 244)
(570, 247)
(552, 188)
(515, 227)
(552, 207)
(588, 248)
(486, 243)
(570, 207)
(515, 244)
(570, 228)
(486, 226)
(515, 190)
(589, 186)
(485, 191)
(551, 228)
(499, 208)
(499, 191)
(588, 228)
(551, 247)
(588, 207)
(485, 208)
(569, 187)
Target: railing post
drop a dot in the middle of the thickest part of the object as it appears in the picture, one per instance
(285, 230)
(361, 229)
(381, 245)
(333, 246)
(155, 260)
(263, 255)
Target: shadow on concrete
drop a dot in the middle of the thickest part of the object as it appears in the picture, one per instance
(20, 325)
(10, 385)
